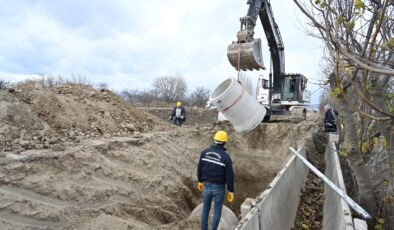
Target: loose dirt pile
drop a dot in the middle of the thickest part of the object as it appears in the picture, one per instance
(140, 179)
(195, 116)
(32, 117)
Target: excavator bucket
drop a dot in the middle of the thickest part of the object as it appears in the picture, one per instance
(246, 56)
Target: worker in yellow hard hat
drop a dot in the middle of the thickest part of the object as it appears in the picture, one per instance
(178, 115)
(214, 172)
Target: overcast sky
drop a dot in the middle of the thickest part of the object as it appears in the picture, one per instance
(129, 43)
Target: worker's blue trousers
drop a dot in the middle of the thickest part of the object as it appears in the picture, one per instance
(216, 192)
(177, 121)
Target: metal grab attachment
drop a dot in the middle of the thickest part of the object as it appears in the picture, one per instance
(342, 194)
(246, 56)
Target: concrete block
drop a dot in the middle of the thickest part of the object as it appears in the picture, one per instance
(336, 212)
(247, 205)
(277, 206)
(334, 137)
(360, 224)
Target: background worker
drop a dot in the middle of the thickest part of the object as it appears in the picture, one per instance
(329, 119)
(178, 115)
(214, 171)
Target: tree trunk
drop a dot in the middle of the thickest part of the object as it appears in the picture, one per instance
(365, 188)
(386, 168)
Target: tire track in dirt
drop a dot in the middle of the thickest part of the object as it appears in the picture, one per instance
(26, 222)
(32, 196)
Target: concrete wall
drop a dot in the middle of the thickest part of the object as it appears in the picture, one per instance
(337, 213)
(276, 207)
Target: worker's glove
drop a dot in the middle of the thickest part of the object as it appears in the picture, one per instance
(200, 186)
(230, 197)
(181, 117)
(170, 118)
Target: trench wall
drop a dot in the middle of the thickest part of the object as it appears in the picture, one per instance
(276, 207)
(337, 213)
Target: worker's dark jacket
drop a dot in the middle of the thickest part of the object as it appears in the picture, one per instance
(183, 113)
(215, 166)
(329, 121)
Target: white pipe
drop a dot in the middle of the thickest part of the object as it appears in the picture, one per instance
(342, 194)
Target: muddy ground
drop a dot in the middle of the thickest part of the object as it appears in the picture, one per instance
(139, 172)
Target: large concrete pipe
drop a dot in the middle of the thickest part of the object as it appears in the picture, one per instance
(228, 220)
(237, 105)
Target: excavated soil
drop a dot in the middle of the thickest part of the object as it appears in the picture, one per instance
(137, 173)
(32, 117)
(195, 116)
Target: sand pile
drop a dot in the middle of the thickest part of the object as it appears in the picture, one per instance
(32, 117)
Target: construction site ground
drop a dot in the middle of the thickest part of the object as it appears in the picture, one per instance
(73, 157)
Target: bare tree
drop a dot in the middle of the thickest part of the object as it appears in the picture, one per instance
(50, 80)
(147, 97)
(358, 36)
(4, 84)
(80, 79)
(170, 88)
(199, 96)
(102, 86)
(130, 95)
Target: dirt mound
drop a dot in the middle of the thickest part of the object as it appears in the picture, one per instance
(78, 158)
(145, 182)
(32, 117)
(195, 116)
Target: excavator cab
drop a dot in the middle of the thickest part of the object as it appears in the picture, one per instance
(245, 53)
(294, 86)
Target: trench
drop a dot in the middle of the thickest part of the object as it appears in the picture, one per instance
(114, 182)
(310, 208)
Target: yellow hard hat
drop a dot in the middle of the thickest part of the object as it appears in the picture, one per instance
(221, 136)
(178, 103)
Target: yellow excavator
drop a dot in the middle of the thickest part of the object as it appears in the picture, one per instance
(286, 94)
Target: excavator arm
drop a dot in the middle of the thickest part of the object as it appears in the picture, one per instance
(245, 53)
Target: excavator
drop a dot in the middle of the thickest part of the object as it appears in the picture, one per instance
(284, 95)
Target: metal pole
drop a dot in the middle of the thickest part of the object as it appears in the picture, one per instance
(343, 195)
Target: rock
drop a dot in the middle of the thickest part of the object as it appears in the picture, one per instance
(25, 144)
(130, 127)
(53, 141)
(71, 133)
(137, 134)
(46, 145)
(136, 142)
(148, 135)
(38, 146)
(106, 114)
(58, 148)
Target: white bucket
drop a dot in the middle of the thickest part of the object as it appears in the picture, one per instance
(237, 105)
